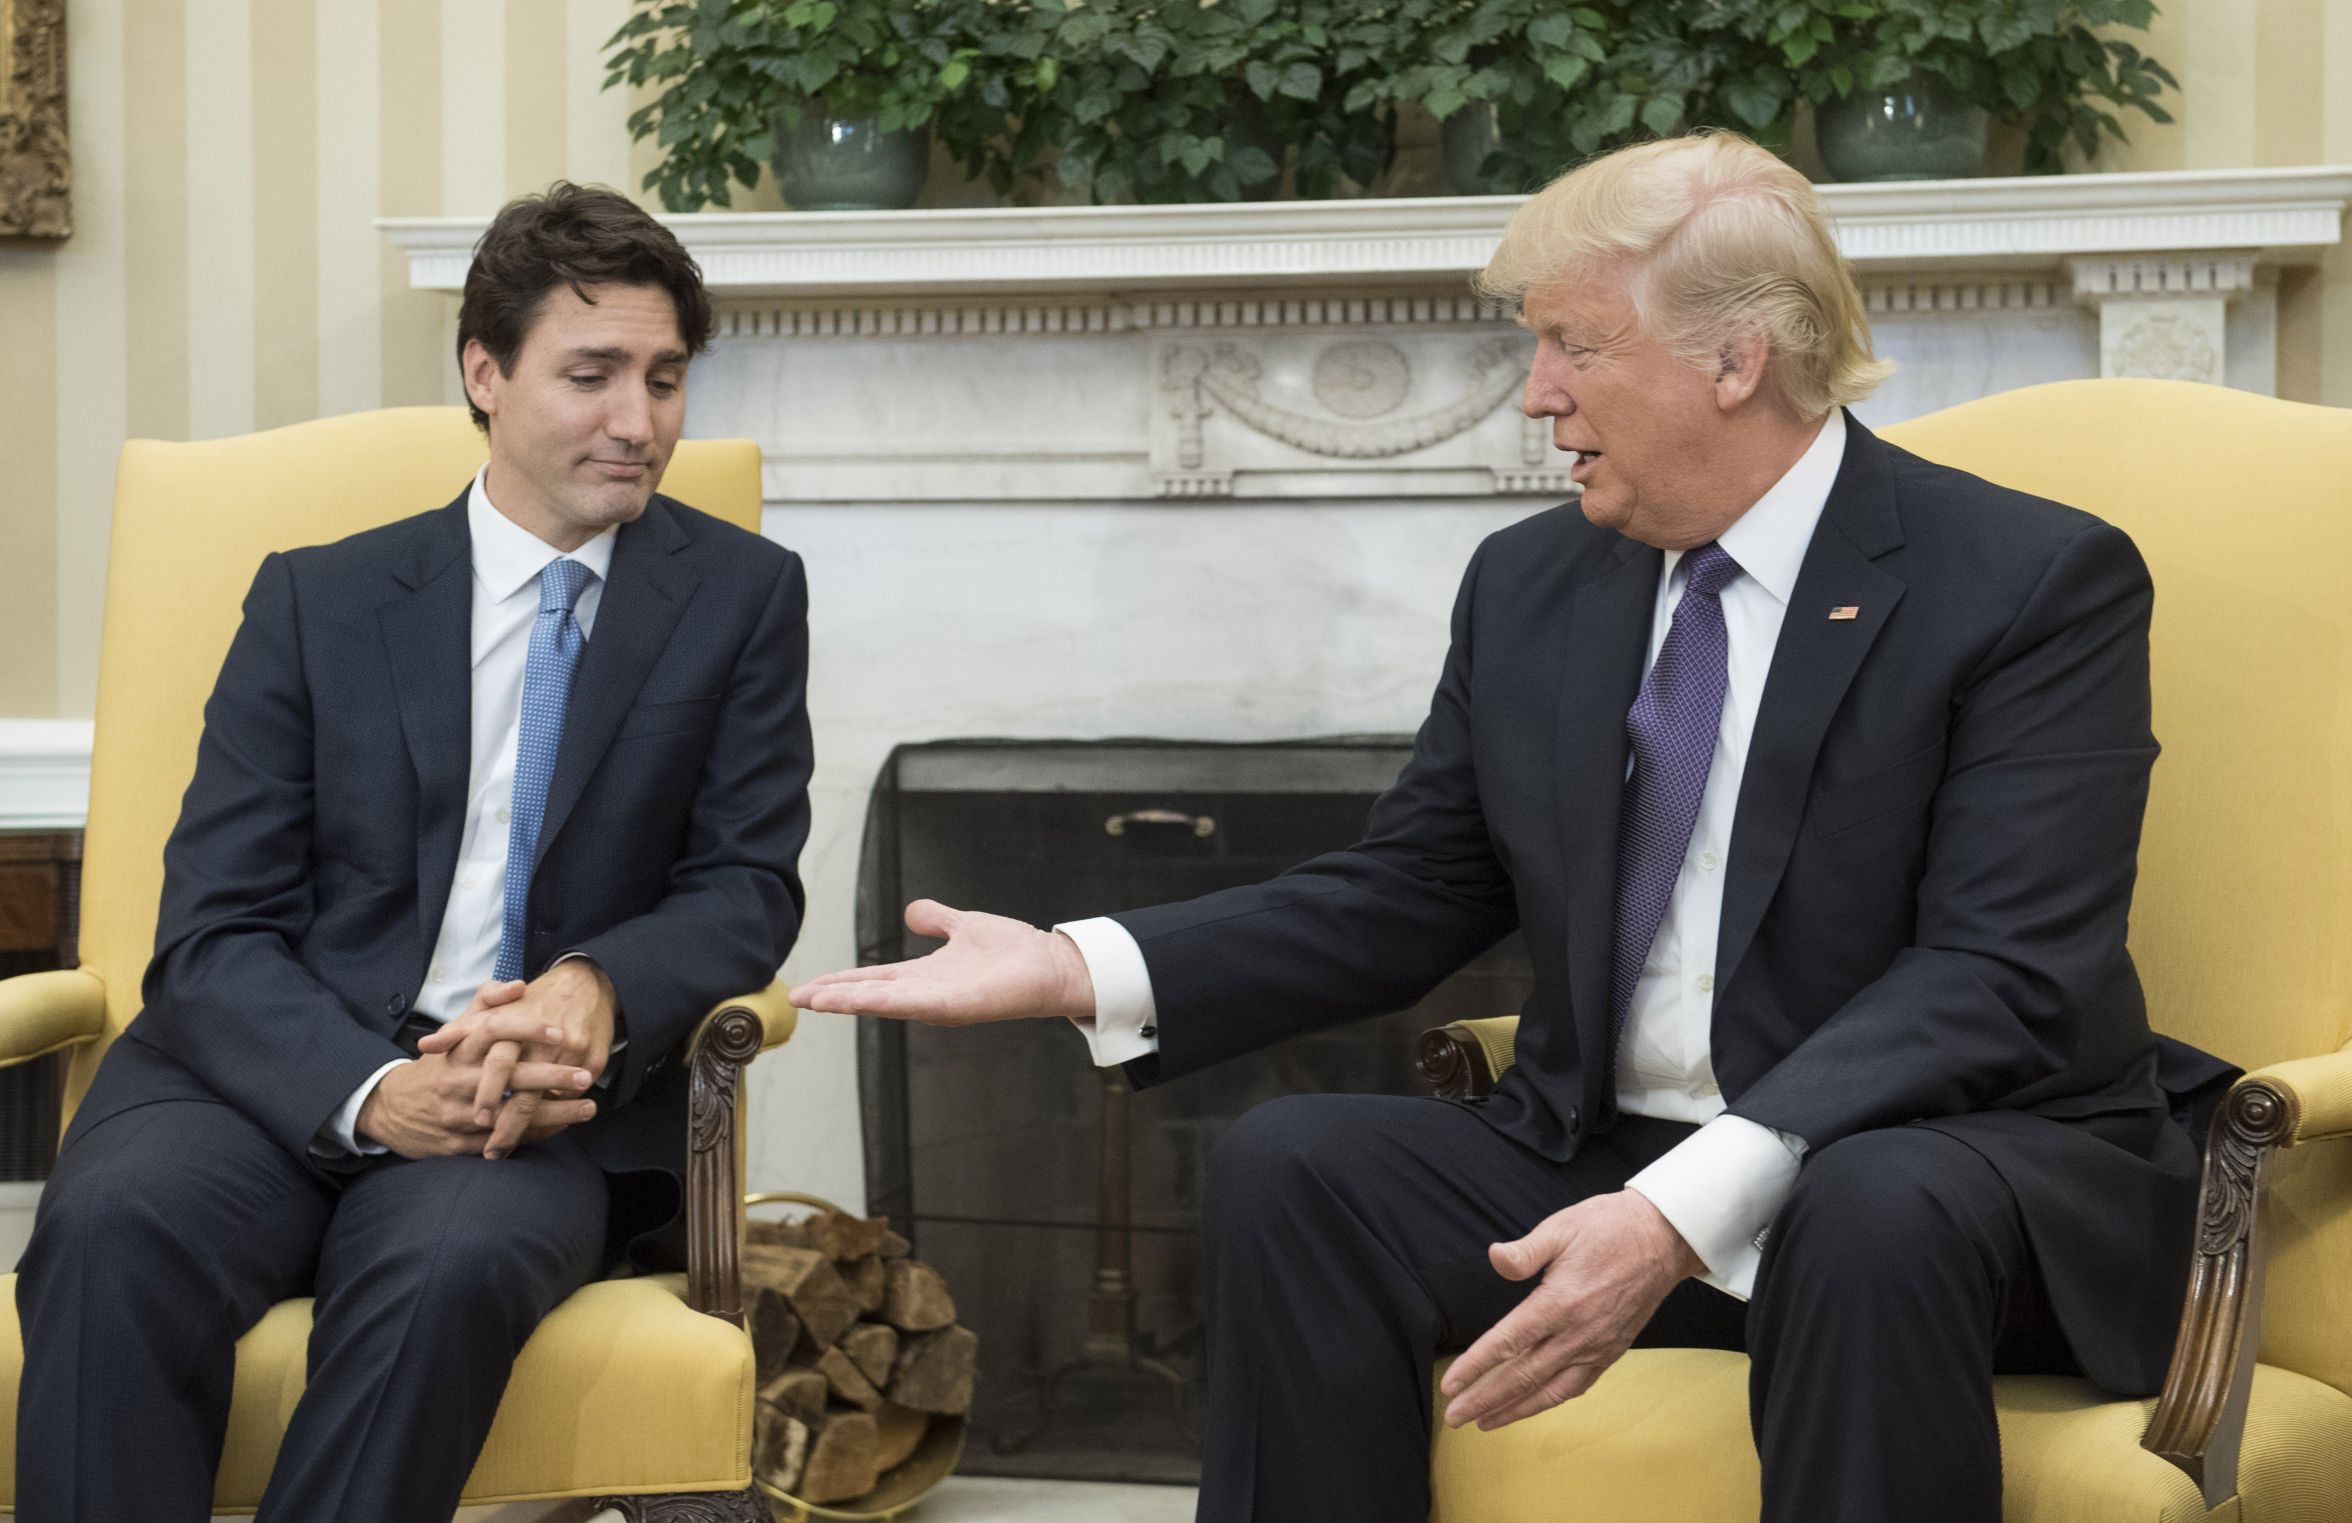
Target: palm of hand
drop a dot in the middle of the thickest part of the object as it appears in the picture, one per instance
(991, 969)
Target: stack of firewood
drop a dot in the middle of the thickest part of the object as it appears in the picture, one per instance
(858, 1353)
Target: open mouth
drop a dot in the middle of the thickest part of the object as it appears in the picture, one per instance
(1582, 465)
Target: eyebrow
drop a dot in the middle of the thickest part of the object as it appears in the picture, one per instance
(665, 357)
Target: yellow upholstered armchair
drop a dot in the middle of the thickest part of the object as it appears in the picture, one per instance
(2242, 928)
(637, 1390)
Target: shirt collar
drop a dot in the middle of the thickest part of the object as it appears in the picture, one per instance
(509, 557)
(1769, 539)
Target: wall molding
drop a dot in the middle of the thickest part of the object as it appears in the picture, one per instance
(1428, 244)
(44, 774)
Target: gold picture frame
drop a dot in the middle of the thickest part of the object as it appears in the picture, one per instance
(36, 168)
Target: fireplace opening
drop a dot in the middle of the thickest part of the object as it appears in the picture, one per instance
(1062, 1206)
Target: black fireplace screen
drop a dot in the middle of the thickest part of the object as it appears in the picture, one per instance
(1061, 1207)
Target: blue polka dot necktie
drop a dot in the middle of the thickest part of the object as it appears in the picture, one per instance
(556, 643)
(1672, 724)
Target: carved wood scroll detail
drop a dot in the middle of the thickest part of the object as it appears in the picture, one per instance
(714, 1189)
(36, 167)
(1452, 1064)
(2201, 1416)
(692, 1507)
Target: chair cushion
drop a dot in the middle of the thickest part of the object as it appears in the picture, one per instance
(622, 1389)
(1664, 1437)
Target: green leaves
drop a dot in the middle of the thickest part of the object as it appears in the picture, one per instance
(1163, 100)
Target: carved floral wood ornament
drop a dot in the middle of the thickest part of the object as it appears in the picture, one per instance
(36, 170)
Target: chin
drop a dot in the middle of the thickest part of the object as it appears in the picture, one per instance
(1602, 510)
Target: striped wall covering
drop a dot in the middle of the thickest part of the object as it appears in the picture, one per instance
(230, 155)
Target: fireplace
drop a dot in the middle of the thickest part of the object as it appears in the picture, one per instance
(1062, 1207)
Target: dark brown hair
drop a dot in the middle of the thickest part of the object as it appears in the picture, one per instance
(575, 235)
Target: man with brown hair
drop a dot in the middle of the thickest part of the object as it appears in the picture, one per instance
(492, 803)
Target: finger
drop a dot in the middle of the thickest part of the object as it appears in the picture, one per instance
(543, 1078)
(884, 999)
(1523, 1258)
(1558, 1386)
(928, 917)
(879, 971)
(1514, 1381)
(503, 1026)
(499, 992)
(555, 1116)
(1517, 1334)
(498, 1067)
(514, 1119)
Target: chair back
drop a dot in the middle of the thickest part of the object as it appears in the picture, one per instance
(2242, 922)
(192, 523)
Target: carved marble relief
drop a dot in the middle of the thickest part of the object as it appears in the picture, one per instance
(1417, 412)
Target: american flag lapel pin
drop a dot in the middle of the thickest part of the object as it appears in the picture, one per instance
(1846, 611)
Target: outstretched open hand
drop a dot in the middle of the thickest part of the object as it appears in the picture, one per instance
(992, 969)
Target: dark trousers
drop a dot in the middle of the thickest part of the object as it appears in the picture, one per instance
(165, 1232)
(1346, 1238)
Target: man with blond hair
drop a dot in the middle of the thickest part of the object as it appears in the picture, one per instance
(1813, 773)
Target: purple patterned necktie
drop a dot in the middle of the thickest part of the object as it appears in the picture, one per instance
(1672, 724)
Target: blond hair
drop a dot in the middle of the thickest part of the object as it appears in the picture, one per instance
(1726, 241)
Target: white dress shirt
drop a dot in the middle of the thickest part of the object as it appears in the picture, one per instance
(507, 561)
(1721, 1186)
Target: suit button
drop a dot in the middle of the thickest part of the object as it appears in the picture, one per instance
(396, 1005)
(1575, 1119)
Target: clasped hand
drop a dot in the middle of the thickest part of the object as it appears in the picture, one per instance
(515, 1067)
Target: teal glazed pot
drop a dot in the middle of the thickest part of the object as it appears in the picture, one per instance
(1921, 129)
(1465, 140)
(834, 164)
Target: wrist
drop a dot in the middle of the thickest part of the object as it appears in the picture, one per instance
(1076, 980)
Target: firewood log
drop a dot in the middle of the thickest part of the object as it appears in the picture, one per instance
(842, 1236)
(901, 1431)
(797, 1392)
(866, 1279)
(934, 1371)
(849, 1383)
(914, 1297)
(775, 1328)
(806, 1278)
(779, 1447)
(873, 1348)
(841, 1460)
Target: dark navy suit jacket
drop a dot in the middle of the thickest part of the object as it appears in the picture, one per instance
(305, 880)
(1929, 881)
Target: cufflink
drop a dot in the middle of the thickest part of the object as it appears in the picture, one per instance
(1149, 1031)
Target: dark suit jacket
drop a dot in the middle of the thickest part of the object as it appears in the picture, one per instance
(1929, 879)
(305, 881)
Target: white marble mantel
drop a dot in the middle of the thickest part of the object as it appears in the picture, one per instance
(1337, 247)
(1332, 349)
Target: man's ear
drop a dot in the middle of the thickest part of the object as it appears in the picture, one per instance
(1739, 368)
(478, 370)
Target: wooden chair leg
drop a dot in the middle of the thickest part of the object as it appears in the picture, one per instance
(693, 1507)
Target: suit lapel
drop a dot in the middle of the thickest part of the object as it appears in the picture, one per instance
(646, 592)
(428, 630)
(1609, 616)
(1812, 666)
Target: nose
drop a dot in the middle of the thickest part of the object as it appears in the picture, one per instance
(629, 417)
(1546, 395)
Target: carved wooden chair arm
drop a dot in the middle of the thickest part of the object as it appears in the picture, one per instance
(1461, 1061)
(735, 1032)
(42, 1013)
(2200, 1419)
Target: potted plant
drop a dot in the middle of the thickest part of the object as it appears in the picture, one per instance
(839, 94)
(1905, 89)
(1180, 100)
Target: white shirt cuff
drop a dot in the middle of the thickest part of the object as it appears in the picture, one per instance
(1720, 1188)
(1126, 1023)
(340, 1136)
